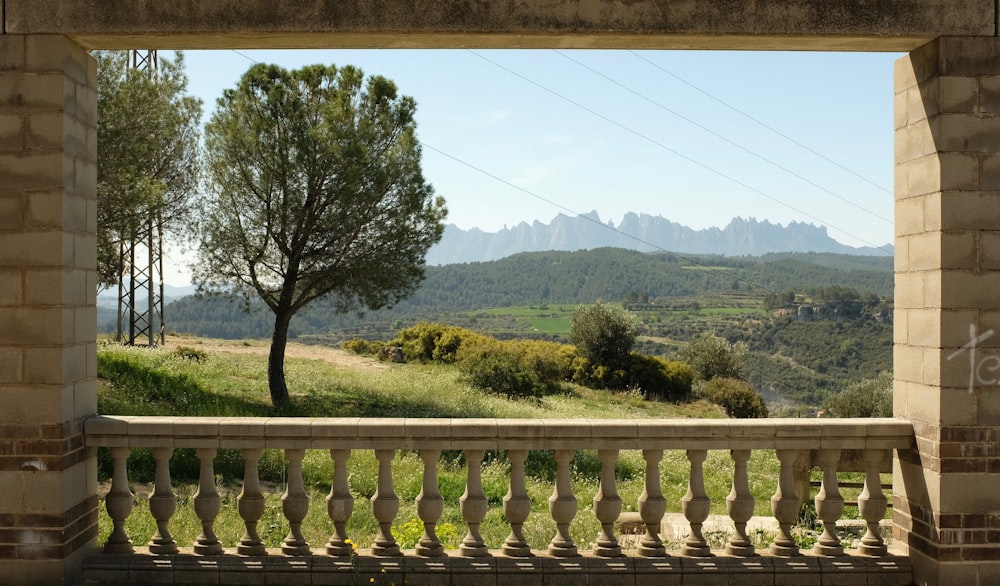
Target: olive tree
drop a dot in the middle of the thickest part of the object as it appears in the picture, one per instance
(315, 191)
(604, 334)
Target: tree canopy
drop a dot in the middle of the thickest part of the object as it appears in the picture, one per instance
(316, 191)
(148, 154)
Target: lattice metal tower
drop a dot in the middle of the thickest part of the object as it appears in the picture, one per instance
(140, 284)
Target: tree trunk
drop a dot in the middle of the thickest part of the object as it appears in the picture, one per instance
(276, 359)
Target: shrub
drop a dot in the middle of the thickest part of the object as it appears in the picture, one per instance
(498, 368)
(658, 378)
(711, 356)
(361, 346)
(549, 362)
(427, 342)
(868, 398)
(737, 397)
(189, 353)
(604, 334)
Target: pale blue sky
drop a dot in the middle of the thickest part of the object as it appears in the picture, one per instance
(617, 131)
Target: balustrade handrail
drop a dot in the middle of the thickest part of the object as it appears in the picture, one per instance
(828, 439)
(535, 434)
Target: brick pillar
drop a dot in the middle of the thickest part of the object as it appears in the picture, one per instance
(48, 321)
(947, 321)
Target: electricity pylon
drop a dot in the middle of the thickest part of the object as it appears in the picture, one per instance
(140, 283)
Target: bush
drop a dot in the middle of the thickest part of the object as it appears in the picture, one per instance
(603, 334)
(360, 346)
(427, 342)
(711, 356)
(497, 368)
(868, 398)
(737, 397)
(658, 378)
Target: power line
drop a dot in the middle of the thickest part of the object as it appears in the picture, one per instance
(761, 123)
(747, 150)
(680, 154)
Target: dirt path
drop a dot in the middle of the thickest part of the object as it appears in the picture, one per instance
(336, 356)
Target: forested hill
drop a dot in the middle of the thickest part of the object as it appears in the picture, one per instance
(610, 274)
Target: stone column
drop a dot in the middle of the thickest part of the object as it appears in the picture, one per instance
(48, 321)
(946, 493)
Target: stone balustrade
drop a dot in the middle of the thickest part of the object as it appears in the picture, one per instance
(336, 561)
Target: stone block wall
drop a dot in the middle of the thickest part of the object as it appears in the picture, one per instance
(947, 323)
(48, 322)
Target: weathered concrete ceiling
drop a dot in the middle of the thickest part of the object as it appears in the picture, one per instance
(839, 25)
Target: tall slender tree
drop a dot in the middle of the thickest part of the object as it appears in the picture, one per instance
(316, 191)
(148, 153)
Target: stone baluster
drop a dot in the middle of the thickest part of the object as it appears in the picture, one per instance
(516, 506)
(251, 504)
(430, 506)
(295, 505)
(872, 505)
(652, 506)
(119, 503)
(829, 505)
(339, 505)
(562, 507)
(696, 506)
(740, 505)
(785, 505)
(162, 504)
(607, 506)
(385, 506)
(474, 506)
(207, 504)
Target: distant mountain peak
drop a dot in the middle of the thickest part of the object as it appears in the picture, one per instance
(636, 231)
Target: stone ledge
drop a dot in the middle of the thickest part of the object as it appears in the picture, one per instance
(630, 570)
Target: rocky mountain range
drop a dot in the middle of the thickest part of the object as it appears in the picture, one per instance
(642, 232)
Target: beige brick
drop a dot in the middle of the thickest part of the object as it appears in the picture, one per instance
(909, 216)
(12, 204)
(924, 251)
(909, 142)
(12, 54)
(86, 178)
(944, 172)
(968, 493)
(958, 94)
(38, 170)
(31, 403)
(907, 363)
(85, 399)
(900, 110)
(901, 181)
(923, 327)
(74, 287)
(932, 289)
(970, 211)
(904, 76)
(11, 132)
(56, 53)
(969, 289)
(39, 249)
(11, 365)
(27, 325)
(909, 290)
(923, 102)
(45, 209)
(989, 94)
(900, 333)
(44, 365)
(43, 287)
(901, 253)
(45, 131)
(11, 288)
(989, 250)
(966, 133)
(899, 398)
(958, 250)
